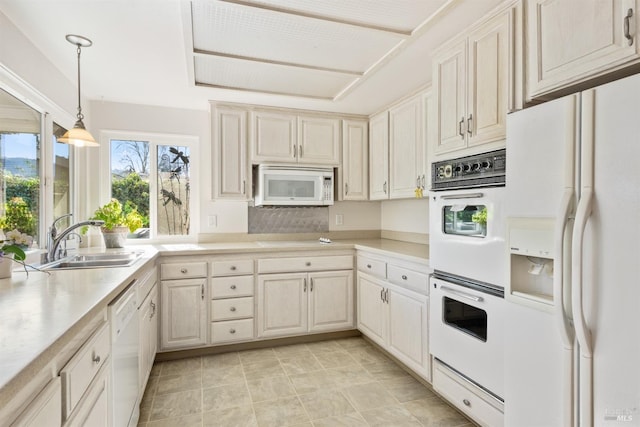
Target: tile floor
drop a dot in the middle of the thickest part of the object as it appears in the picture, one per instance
(344, 382)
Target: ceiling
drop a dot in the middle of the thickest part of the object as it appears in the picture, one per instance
(351, 56)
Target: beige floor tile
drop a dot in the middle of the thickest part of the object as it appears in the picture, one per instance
(406, 389)
(259, 355)
(395, 416)
(155, 369)
(150, 391)
(181, 367)
(286, 411)
(312, 382)
(217, 361)
(300, 363)
(242, 416)
(194, 420)
(291, 350)
(368, 396)
(367, 355)
(324, 346)
(226, 396)
(263, 369)
(176, 405)
(335, 359)
(145, 411)
(174, 383)
(222, 376)
(349, 375)
(353, 342)
(435, 413)
(270, 388)
(385, 371)
(324, 404)
(348, 420)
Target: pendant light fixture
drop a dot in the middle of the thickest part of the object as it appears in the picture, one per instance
(78, 135)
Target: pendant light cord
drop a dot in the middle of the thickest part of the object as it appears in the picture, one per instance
(80, 115)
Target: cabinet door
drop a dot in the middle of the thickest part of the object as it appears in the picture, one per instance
(372, 315)
(183, 312)
(230, 141)
(488, 84)
(318, 140)
(273, 137)
(379, 156)
(148, 332)
(330, 301)
(44, 410)
(355, 160)
(282, 304)
(407, 336)
(94, 409)
(570, 41)
(451, 98)
(405, 148)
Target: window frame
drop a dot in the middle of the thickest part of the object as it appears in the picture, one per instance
(155, 139)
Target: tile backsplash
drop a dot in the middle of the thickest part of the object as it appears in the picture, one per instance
(288, 220)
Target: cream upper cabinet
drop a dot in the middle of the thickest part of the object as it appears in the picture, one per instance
(406, 147)
(476, 84)
(274, 137)
(318, 140)
(379, 156)
(278, 136)
(229, 129)
(572, 41)
(355, 160)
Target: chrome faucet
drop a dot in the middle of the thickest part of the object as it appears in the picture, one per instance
(54, 238)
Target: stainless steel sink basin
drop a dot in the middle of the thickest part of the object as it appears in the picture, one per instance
(113, 259)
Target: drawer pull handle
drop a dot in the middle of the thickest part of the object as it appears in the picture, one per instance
(232, 309)
(183, 270)
(232, 331)
(308, 264)
(233, 286)
(368, 265)
(466, 402)
(96, 359)
(233, 268)
(404, 277)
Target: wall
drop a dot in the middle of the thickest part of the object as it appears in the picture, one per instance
(406, 216)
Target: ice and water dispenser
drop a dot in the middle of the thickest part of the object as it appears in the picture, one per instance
(530, 261)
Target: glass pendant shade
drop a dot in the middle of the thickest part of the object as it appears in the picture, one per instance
(78, 135)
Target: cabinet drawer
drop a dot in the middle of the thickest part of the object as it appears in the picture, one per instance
(320, 263)
(233, 308)
(408, 278)
(229, 287)
(83, 367)
(232, 268)
(466, 396)
(375, 267)
(232, 330)
(183, 270)
(44, 410)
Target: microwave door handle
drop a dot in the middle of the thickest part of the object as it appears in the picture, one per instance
(462, 294)
(463, 196)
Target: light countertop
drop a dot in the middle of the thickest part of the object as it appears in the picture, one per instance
(37, 313)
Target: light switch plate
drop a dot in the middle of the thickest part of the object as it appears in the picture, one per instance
(212, 220)
(339, 219)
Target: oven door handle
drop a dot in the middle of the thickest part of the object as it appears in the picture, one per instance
(462, 294)
(463, 196)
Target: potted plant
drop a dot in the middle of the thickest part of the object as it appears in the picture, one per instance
(11, 250)
(118, 222)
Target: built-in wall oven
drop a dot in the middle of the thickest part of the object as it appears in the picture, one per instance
(467, 253)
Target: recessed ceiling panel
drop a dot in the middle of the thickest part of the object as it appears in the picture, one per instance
(396, 15)
(244, 31)
(268, 78)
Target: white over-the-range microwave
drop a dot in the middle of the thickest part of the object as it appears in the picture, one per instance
(282, 185)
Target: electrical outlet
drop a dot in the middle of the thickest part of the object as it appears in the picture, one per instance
(339, 219)
(212, 220)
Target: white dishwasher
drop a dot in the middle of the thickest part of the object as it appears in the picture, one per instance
(123, 313)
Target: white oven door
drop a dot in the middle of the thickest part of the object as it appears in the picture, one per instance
(466, 332)
(467, 234)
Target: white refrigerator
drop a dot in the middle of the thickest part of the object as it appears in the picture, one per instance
(572, 329)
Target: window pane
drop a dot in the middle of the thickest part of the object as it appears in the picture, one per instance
(61, 174)
(19, 166)
(465, 220)
(173, 216)
(130, 177)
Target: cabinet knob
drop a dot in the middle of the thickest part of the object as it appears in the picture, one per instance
(232, 331)
(233, 268)
(466, 402)
(96, 359)
(232, 286)
(183, 270)
(308, 264)
(404, 277)
(232, 309)
(368, 265)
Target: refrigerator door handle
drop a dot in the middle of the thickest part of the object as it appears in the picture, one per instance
(562, 317)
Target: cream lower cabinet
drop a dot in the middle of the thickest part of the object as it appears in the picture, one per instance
(44, 410)
(94, 410)
(305, 301)
(148, 333)
(392, 307)
(183, 308)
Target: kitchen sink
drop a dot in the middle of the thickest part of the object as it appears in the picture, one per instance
(113, 259)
